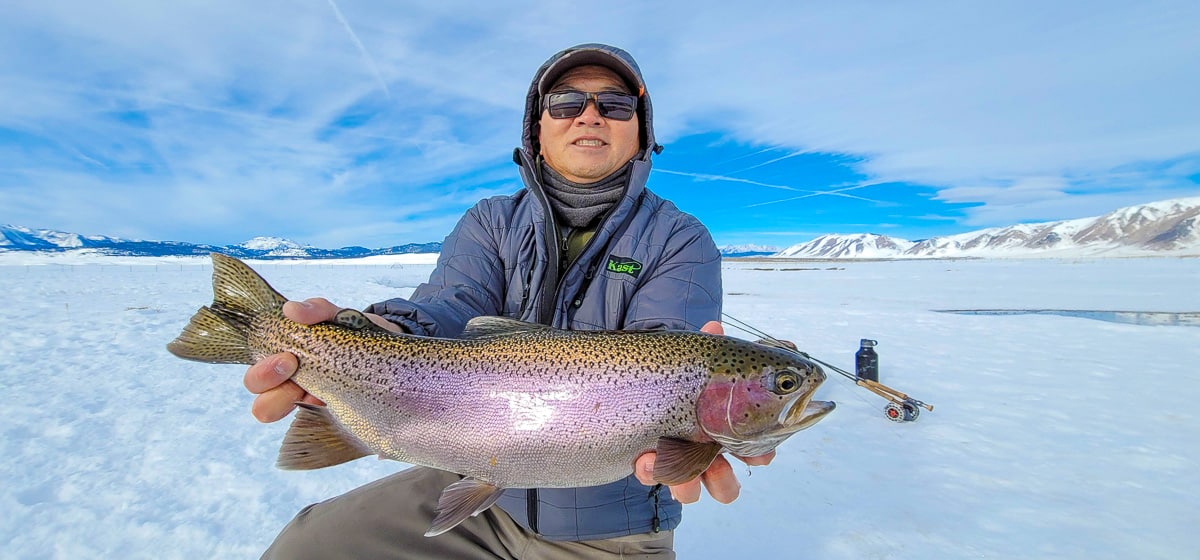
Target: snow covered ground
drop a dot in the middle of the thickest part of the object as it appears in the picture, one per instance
(1052, 437)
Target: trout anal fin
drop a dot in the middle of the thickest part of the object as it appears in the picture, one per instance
(679, 460)
(461, 500)
(315, 440)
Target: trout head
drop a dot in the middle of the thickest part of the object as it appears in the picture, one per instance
(759, 396)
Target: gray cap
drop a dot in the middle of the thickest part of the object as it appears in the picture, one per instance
(597, 54)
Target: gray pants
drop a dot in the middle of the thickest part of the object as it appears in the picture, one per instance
(388, 519)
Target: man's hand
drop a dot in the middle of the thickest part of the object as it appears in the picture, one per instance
(719, 479)
(270, 378)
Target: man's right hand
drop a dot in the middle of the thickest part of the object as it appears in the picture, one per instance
(270, 378)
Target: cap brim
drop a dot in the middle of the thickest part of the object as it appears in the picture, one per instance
(585, 57)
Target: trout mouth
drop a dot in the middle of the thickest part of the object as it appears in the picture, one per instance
(804, 412)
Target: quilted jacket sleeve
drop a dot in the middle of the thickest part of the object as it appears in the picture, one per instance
(467, 282)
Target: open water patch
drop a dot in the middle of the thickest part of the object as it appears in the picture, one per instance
(1153, 318)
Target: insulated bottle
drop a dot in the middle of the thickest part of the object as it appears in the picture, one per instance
(866, 361)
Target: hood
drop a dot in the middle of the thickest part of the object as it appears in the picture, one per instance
(588, 53)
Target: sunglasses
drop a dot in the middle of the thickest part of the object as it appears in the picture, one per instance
(610, 104)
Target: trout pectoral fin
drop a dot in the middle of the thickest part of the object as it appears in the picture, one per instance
(461, 500)
(679, 460)
(315, 440)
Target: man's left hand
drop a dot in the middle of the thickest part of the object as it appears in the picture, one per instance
(719, 479)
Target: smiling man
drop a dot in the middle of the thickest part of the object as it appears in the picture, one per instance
(588, 147)
(584, 245)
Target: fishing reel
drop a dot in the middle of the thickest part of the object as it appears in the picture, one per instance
(904, 411)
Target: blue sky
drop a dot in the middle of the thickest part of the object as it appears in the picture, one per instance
(375, 123)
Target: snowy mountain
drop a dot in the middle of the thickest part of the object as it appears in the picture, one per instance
(858, 246)
(747, 250)
(15, 238)
(1165, 228)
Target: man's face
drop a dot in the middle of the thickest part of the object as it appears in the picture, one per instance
(588, 148)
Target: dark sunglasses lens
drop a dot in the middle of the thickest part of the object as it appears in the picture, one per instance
(565, 105)
(570, 104)
(616, 105)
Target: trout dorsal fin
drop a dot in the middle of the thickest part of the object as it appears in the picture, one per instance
(679, 461)
(315, 440)
(486, 327)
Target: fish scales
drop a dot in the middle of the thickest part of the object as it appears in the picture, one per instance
(539, 404)
(510, 404)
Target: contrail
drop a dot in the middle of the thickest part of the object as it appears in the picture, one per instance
(751, 154)
(769, 162)
(706, 177)
(835, 192)
(361, 49)
(810, 193)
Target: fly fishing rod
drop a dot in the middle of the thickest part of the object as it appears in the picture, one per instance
(900, 408)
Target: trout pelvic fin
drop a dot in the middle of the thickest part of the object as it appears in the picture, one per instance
(465, 498)
(679, 461)
(217, 333)
(315, 440)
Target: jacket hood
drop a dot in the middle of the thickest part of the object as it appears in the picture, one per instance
(588, 53)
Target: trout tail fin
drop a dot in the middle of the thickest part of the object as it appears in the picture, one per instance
(218, 333)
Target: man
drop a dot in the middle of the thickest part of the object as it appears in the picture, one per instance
(583, 246)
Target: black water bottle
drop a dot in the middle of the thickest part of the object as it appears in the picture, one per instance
(866, 361)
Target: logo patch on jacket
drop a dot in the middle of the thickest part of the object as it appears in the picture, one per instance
(624, 265)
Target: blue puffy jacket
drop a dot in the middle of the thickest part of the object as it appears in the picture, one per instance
(649, 266)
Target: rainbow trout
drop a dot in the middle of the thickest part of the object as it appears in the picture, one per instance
(509, 404)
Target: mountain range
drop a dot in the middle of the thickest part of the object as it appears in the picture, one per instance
(1165, 228)
(16, 238)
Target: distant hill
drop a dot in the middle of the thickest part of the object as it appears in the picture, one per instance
(1165, 228)
(16, 238)
(747, 250)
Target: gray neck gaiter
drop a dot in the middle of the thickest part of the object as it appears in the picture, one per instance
(578, 205)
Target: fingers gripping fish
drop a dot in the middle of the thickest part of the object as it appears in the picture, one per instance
(509, 404)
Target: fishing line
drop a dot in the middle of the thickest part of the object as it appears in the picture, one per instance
(748, 328)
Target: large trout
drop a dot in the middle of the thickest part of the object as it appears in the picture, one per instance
(509, 404)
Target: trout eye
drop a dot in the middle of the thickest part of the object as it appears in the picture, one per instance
(784, 382)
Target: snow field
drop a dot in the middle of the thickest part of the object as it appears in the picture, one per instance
(1051, 436)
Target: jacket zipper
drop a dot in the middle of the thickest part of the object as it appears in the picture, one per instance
(525, 293)
(546, 302)
(532, 511)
